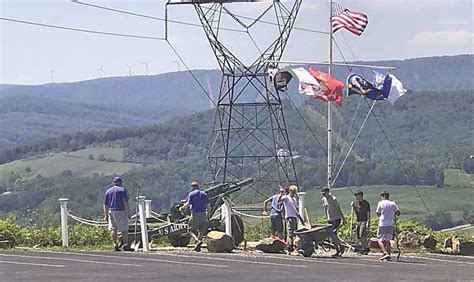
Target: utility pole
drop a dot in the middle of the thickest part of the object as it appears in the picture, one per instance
(52, 76)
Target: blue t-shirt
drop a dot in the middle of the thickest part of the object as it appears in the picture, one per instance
(198, 201)
(115, 198)
(276, 206)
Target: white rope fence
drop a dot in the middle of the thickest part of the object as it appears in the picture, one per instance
(87, 221)
(249, 215)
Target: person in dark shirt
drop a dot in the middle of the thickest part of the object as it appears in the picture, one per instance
(361, 208)
(117, 212)
(199, 203)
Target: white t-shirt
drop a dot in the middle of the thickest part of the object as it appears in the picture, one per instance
(387, 211)
(291, 206)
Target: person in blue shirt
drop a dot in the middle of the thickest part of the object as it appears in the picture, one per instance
(117, 212)
(276, 214)
(199, 203)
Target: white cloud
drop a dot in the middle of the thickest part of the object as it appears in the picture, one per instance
(450, 37)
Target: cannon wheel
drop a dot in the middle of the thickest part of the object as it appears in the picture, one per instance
(180, 240)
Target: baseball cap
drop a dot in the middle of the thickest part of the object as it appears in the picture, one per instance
(117, 179)
(359, 192)
(324, 190)
(384, 193)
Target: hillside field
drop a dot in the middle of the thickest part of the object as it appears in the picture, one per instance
(104, 161)
(449, 199)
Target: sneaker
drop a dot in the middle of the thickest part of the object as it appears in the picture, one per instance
(116, 248)
(385, 257)
(127, 248)
(197, 248)
(389, 258)
(341, 251)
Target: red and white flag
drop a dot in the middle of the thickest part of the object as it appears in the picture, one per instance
(353, 21)
(308, 85)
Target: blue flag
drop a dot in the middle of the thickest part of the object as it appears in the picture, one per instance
(356, 84)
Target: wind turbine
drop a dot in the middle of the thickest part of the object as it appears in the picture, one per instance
(52, 76)
(101, 71)
(130, 69)
(146, 67)
(177, 64)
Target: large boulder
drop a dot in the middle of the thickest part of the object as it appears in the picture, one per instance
(271, 245)
(409, 239)
(455, 246)
(219, 242)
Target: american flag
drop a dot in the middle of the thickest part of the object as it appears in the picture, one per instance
(353, 21)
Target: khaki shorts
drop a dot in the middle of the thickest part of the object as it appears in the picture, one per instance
(118, 220)
(385, 233)
(199, 223)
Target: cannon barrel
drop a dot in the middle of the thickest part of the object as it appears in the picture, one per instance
(227, 188)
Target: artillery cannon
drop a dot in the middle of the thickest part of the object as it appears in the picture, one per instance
(175, 224)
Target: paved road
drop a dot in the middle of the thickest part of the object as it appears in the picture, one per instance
(207, 267)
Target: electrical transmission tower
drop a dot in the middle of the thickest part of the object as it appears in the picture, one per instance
(249, 137)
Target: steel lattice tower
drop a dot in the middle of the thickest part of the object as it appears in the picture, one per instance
(250, 137)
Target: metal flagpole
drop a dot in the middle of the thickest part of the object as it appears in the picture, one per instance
(329, 176)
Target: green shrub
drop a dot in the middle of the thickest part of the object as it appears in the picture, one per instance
(79, 235)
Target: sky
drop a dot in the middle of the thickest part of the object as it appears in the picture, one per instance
(397, 29)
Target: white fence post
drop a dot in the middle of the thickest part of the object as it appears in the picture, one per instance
(64, 233)
(227, 216)
(301, 196)
(148, 208)
(143, 227)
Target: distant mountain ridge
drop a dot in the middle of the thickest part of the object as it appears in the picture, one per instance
(37, 112)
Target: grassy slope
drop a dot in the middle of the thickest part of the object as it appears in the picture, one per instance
(445, 199)
(78, 162)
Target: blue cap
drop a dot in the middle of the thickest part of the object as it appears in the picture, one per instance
(117, 179)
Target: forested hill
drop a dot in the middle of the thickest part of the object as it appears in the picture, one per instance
(32, 113)
(430, 131)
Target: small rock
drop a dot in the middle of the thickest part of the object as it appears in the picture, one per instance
(219, 242)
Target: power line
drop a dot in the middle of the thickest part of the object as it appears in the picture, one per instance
(80, 29)
(399, 160)
(145, 16)
(188, 23)
(191, 72)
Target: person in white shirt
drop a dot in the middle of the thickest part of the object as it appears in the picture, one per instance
(386, 211)
(290, 203)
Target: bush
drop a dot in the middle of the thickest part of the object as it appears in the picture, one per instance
(79, 235)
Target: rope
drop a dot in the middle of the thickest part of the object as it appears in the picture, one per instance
(305, 122)
(87, 222)
(399, 160)
(250, 215)
(344, 144)
(353, 143)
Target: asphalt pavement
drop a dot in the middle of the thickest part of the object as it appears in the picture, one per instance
(240, 266)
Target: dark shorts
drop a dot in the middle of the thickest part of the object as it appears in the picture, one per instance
(292, 225)
(198, 222)
(335, 225)
(277, 223)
